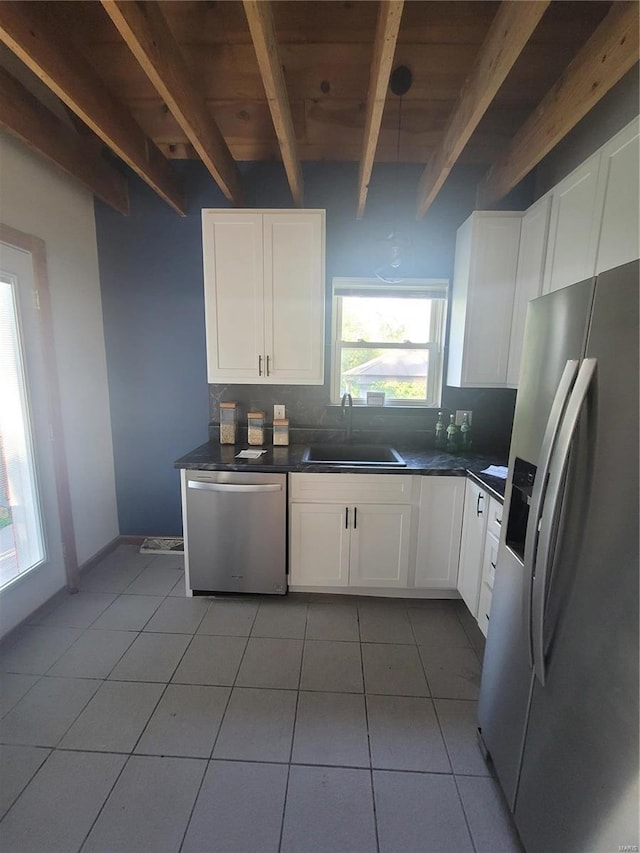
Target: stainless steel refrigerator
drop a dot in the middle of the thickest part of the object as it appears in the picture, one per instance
(558, 710)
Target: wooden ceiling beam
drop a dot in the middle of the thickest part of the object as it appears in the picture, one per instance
(147, 34)
(42, 44)
(604, 59)
(263, 33)
(508, 34)
(26, 118)
(384, 47)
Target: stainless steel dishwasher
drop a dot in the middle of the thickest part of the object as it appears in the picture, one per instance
(235, 531)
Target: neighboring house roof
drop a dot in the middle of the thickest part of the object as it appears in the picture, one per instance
(401, 364)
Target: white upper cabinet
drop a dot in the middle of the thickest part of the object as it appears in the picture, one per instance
(482, 299)
(620, 227)
(574, 226)
(586, 224)
(233, 294)
(533, 247)
(264, 296)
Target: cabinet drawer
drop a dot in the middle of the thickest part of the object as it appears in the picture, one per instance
(351, 488)
(484, 608)
(494, 518)
(490, 560)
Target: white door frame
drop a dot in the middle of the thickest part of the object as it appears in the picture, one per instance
(37, 249)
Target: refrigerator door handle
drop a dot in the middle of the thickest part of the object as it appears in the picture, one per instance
(548, 521)
(540, 486)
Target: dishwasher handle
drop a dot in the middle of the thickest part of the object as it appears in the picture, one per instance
(234, 487)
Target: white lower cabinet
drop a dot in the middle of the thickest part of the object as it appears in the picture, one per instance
(419, 536)
(319, 545)
(349, 530)
(380, 545)
(337, 545)
(375, 532)
(486, 586)
(474, 527)
(439, 530)
(479, 552)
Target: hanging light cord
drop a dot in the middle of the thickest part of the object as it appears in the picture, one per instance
(399, 129)
(388, 272)
(396, 170)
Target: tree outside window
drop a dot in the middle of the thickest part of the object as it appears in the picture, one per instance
(389, 338)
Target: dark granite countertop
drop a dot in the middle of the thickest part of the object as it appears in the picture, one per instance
(213, 456)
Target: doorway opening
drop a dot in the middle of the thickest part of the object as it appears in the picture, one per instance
(22, 546)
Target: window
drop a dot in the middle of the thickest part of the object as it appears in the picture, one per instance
(21, 534)
(389, 338)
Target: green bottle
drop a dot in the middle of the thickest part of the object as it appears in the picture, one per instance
(440, 433)
(465, 432)
(452, 435)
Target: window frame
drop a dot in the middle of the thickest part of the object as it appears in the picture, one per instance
(439, 287)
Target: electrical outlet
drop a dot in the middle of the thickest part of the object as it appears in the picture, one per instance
(278, 413)
(460, 413)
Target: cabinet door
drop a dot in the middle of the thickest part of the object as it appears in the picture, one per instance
(233, 295)
(319, 545)
(380, 545)
(294, 297)
(482, 307)
(576, 211)
(533, 246)
(484, 608)
(472, 545)
(620, 227)
(486, 587)
(439, 531)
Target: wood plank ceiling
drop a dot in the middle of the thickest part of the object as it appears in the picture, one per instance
(496, 84)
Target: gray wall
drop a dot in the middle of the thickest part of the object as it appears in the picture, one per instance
(152, 291)
(151, 278)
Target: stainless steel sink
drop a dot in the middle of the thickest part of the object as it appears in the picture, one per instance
(353, 454)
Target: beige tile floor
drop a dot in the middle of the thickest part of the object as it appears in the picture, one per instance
(136, 719)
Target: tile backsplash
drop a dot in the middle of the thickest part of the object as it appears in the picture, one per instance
(312, 417)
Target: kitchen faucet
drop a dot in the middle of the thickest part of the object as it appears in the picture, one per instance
(346, 407)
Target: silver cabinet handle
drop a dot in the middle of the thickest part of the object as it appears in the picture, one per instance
(540, 486)
(548, 523)
(234, 487)
(259, 365)
(268, 370)
(480, 498)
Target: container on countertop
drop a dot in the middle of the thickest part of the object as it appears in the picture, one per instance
(255, 431)
(228, 423)
(281, 431)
